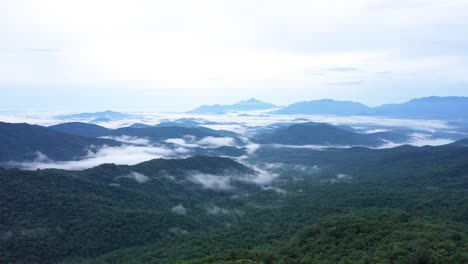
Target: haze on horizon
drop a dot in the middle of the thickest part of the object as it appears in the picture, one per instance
(176, 55)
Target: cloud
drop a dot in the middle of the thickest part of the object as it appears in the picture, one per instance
(206, 142)
(342, 69)
(123, 155)
(344, 83)
(40, 50)
(214, 182)
(280, 167)
(40, 157)
(262, 177)
(250, 146)
(314, 147)
(229, 127)
(226, 181)
(138, 177)
(252, 123)
(214, 142)
(377, 130)
(275, 189)
(263, 47)
(141, 150)
(179, 209)
(130, 140)
(419, 140)
(341, 177)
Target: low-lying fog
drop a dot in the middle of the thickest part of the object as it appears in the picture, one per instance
(135, 150)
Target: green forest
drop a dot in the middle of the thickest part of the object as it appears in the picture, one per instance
(404, 205)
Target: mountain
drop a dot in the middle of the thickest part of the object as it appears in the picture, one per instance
(408, 204)
(49, 215)
(248, 105)
(318, 134)
(185, 122)
(162, 133)
(20, 142)
(446, 108)
(428, 107)
(362, 234)
(140, 125)
(460, 143)
(151, 133)
(82, 129)
(324, 107)
(97, 116)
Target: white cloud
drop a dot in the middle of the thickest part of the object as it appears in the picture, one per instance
(225, 181)
(179, 209)
(123, 155)
(419, 140)
(138, 177)
(314, 147)
(130, 140)
(341, 177)
(275, 189)
(214, 142)
(214, 182)
(249, 46)
(206, 142)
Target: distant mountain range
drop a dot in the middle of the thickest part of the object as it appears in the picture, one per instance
(248, 105)
(20, 142)
(324, 107)
(447, 108)
(97, 116)
(428, 107)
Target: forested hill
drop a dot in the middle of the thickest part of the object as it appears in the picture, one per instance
(21, 142)
(406, 205)
(48, 215)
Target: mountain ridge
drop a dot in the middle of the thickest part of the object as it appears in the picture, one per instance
(247, 105)
(433, 107)
(21, 141)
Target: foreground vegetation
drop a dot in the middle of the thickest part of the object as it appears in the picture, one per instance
(407, 205)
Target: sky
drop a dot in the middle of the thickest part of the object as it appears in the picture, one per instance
(142, 55)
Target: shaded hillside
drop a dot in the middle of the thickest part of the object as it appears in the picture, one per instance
(82, 129)
(152, 133)
(318, 134)
(21, 142)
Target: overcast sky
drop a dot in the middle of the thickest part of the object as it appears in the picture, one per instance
(174, 55)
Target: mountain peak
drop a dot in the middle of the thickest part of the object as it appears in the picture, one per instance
(253, 100)
(247, 105)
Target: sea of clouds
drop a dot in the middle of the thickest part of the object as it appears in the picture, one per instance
(135, 150)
